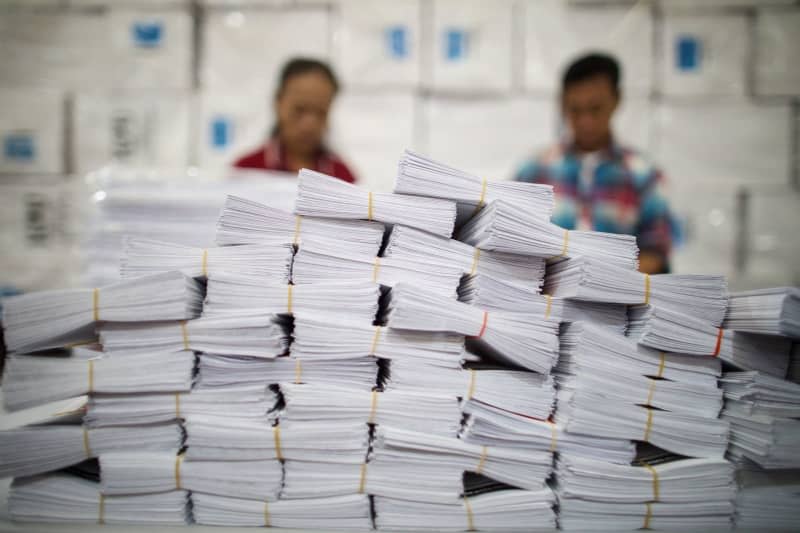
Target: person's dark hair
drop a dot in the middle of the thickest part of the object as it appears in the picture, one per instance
(303, 65)
(591, 66)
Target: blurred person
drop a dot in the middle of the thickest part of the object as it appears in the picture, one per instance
(306, 89)
(599, 184)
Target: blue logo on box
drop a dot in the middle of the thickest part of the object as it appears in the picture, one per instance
(19, 147)
(455, 44)
(688, 52)
(147, 34)
(221, 132)
(397, 41)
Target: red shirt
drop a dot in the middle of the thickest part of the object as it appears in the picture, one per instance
(271, 156)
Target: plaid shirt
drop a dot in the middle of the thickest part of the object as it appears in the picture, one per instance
(615, 191)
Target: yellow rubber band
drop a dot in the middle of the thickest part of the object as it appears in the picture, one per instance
(549, 306)
(289, 299)
(482, 199)
(472, 379)
(177, 405)
(373, 408)
(566, 244)
(470, 522)
(475, 258)
(375, 340)
(298, 370)
(649, 426)
(647, 516)
(656, 487)
(369, 206)
(296, 238)
(178, 460)
(185, 333)
(101, 509)
(86, 447)
(91, 376)
(553, 437)
(651, 391)
(646, 289)
(276, 436)
(96, 305)
(661, 365)
(205, 262)
(482, 461)
(266, 514)
(363, 481)
(376, 267)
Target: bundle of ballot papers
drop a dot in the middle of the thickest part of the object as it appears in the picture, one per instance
(774, 311)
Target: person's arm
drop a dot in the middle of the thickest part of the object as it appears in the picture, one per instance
(655, 227)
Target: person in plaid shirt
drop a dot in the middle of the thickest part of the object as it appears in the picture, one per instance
(599, 184)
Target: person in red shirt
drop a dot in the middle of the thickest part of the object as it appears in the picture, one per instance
(305, 92)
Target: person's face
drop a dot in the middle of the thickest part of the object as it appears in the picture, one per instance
(302, 111)
(588, 107)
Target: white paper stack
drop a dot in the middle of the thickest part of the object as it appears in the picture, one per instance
(322, 196)
(316, 265)
(493, 427)
(33, 380)
(243, 221)
(506, 227)
(699, 515)
(37, 449)
(360, 373)
(49, 319)
(774, 311)
(427, 412)
(242, 400)
(702, 296)
(763, 412)
(521, 339)
(678, 481)
(422, 176)
(489, 293)
(494, 511)
(228, 294)
(316, 479)
(523, 270)
(213, 438)
(272, 263)
(317, 337)
(767, 499)
(137, 472)
(248, 333)
(348, 513)
(677, 332)
(61, 498)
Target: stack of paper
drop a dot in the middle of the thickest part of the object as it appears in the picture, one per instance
(246, 222)
(36, 449)
(214, 438)
(61, 498)
(704, 297)
(360, 373)
(248, 333)
(699, 515)
(773, 311)
(229, 294)
(271, 263)
(328, 266)
(677, 481)
(768, 507)
(150, 472)
(523, 270)
(317, 337)
(494, 511)
(33, 380)
(763, 412)
(489, 293)
(506, 227)
(316, 479)
(422, 176)
(243, 400)
(427, 412)
(677, 332)
(348, 513)
(521, 339)
(322, 196)
(51, 319)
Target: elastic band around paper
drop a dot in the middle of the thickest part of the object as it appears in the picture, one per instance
(649, 426)
(375, 340)
(289, 299)
(177, 405)
(86, 447)
(266, 514)
(376, 267)
(276, 436)
(363, 480)
(91, 376)
(296, 238)
(719, 343)
(482, 199)
(205, 262)
(483, 325)
(475, 257)
(178, 460)
(648, 515)
(553, 437)
(369, 206)
(565, 247)
(470, 522)
(185, 334)
(549, 306)
(298, 370)
(482, 461)
(656, 487)
(96, 305)
(650, 392)
(472, 379)
(646, 289)
(373, 408)
(101, 509)
(661, 365)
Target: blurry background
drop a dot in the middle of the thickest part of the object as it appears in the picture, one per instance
(172, 91)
